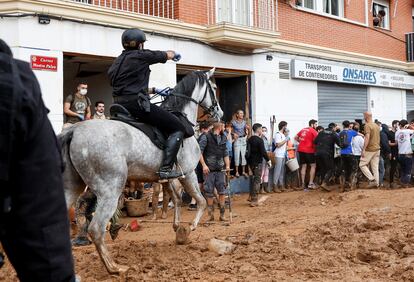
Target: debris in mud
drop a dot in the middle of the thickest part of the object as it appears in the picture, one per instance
(366, 256)
(221, 247)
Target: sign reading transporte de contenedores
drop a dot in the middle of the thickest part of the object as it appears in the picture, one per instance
(326, 72)
(43, 63)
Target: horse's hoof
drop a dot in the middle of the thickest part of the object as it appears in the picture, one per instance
(164, 215)
(175, 227)
(181, 234)
(118, 269)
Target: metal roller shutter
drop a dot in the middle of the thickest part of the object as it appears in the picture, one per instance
(410, 105)
(339, 102)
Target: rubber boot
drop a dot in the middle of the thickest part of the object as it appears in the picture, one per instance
(210, 213)
(222, 210)
(170, 153)
(262, 190)
(114, 230)
(276, 189)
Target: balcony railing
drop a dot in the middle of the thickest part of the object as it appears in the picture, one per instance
(156, 8)
(260, 14)
(409, 46)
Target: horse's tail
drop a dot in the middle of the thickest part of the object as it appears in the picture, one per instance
(64, 139)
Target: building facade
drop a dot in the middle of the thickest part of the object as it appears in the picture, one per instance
(296, 59)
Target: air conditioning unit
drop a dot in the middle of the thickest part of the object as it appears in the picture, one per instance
(409, 43)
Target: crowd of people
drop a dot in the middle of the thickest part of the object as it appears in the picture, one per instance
(345, 155)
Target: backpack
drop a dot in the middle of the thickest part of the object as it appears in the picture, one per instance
(343, 139)
(248, 151)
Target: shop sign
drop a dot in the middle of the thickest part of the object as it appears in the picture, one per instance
(43, 63)
(341, 74)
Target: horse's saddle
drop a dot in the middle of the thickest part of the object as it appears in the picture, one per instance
(120, 113)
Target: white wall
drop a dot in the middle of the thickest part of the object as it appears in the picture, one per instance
(387, 104)
(51, 83)
(294, 101)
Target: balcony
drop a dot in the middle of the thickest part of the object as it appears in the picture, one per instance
(249, 24)
(409, 46)
(156, 8)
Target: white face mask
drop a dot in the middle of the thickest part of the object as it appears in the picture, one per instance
(83, 91)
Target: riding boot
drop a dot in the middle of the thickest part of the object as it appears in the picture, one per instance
(211, 213)
(170, 153)
(222, 210)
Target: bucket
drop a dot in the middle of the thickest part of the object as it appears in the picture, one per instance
(292, 164)
(137, 207)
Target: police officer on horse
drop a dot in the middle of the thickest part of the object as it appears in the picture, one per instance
(129, 76)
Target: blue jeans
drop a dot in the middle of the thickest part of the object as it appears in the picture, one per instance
(279, 172)
(381, 169)
(406, 163)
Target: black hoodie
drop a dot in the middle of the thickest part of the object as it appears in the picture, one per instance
(325, 142)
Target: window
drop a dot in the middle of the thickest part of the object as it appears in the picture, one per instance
(233, 11)
(380, 12)
(332, 7)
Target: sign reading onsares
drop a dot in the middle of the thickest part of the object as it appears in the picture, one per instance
(43, 63)
(326, 72)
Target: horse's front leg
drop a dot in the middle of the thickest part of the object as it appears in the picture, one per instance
(166, 196)
(191, 187)
(156, 188)
(176, 198)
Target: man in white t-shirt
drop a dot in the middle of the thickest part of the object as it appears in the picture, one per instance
(405, 153)
(280, 141)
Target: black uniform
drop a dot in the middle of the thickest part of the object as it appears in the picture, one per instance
(325, 149)
(129, 76)
(256, 154)
(34, 224)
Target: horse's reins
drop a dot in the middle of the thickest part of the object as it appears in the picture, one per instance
(206, 110)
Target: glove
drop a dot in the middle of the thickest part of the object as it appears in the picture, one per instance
(177, 57)
(81, 117)
(162, 92)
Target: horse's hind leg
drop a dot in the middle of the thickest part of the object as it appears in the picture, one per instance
(107, 204)
(191, 187)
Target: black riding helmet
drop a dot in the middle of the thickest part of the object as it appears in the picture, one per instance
(131, 38)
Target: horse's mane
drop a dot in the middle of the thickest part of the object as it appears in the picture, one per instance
(184, 87)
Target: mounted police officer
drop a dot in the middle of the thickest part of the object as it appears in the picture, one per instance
(34, 225)
(129, 76)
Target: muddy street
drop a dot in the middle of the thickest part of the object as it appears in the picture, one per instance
(355, 236)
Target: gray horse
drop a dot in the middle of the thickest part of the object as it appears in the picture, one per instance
(104, 154)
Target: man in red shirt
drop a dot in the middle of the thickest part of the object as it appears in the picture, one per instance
(307, 150)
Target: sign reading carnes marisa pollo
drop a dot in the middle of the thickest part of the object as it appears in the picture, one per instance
(326, 72)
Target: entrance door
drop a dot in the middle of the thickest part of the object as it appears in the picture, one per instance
(233, 96)
(338, 102)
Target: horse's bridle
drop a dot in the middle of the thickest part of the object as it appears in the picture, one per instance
(207, 110)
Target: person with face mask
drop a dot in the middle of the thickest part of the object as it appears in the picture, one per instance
(77, 107)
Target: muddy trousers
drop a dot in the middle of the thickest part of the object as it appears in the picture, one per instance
(326, 167)
(255, 187)
(85, 207)
(393, 168)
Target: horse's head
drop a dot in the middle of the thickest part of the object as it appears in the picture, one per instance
(197, 88)
(209, 99)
